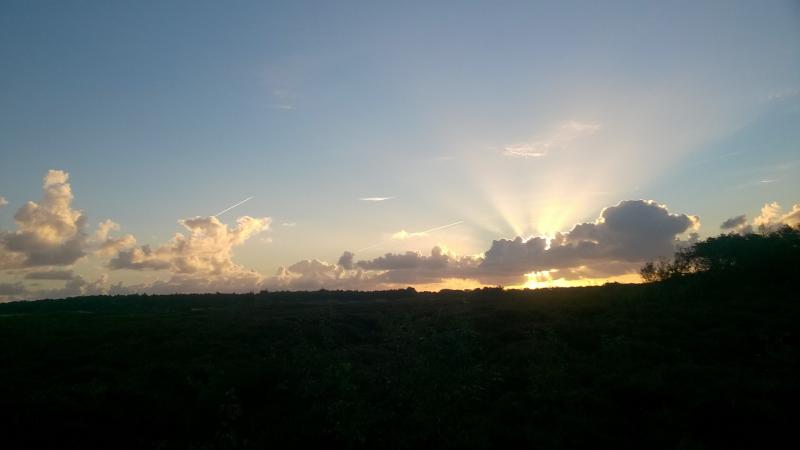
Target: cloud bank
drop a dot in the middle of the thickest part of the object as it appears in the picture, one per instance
(51, 237)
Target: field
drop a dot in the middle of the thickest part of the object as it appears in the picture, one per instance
(679, 365)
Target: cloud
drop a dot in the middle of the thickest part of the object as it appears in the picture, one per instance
(772, 217)
(74, 285)
(561, 137)
(376, 199)
(630, 232)
(403, 234)
(770, 213)
(3, 201)
(737, 224)
(11, 289)
(50, 232)
(792, 218)
(414, 268)
(734, 222)
(346, 260)
(50, 275)
(200, 261)
(108, 246)
(207, 249)
(314, 274)
(616, 243)
(289, 224)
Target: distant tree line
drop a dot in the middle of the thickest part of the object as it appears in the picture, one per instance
(768, 256)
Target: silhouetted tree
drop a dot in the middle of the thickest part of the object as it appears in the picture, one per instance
(770, 256)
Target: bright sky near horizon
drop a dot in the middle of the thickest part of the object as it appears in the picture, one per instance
(422, 136)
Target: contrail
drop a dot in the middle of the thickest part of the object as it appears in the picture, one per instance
(442, 227)
(234, 206)
(421, 232)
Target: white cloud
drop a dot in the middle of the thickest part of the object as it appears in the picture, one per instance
(199, 261)
(3, 201)
(50, 232)
(375, 199)
(403, 234)
(108, 246)
(772, 216)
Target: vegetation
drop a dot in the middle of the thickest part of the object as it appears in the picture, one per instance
(763, 257)
(692, 362)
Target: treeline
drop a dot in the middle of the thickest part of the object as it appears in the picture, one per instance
(755, 257)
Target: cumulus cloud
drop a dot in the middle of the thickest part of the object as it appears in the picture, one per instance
(314, 274)
(628, 233)
(792, 218)
(49, 232)
(346, 260)
(561, 137)
(108, 246)
(200, 260)
(772, 217)
(52, 234)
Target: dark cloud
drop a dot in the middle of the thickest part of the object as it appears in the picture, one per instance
(12, 289)
(632, 231)
(734, 222)
(141, 258)
(622, 237)
(346, 260)
(50, 275)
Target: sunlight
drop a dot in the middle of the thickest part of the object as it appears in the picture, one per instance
(547, 279)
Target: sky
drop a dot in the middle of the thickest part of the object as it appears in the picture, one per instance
(385, 144)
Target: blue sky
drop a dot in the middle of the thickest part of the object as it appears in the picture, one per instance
(161, 111)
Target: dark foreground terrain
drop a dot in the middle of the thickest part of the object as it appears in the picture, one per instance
(686, 364)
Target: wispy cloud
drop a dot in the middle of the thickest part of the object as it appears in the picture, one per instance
(289, 224)
(563, 135)
(375, 199)
(284, 99)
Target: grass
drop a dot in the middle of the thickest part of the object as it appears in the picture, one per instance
(680, 365)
